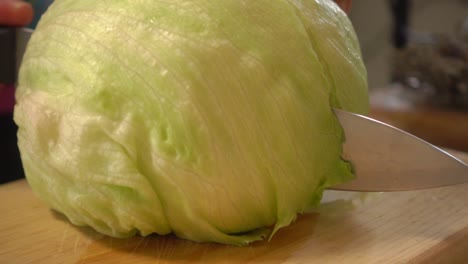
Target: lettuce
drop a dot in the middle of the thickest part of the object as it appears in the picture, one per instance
(209, 119)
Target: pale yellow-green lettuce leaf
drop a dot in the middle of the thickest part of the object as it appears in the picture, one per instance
(209, 119)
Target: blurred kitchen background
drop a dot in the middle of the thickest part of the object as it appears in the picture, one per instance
(416, 53)
(374, 21)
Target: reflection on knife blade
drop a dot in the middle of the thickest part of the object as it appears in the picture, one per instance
(388, 159)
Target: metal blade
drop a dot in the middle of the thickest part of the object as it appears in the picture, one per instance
(22, 39)
(385, 158)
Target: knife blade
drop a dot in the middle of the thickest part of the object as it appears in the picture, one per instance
(13, 43)
(383, 157)
(7, 55)
(22, 39)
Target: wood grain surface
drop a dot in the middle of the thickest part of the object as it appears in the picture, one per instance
(427, 226)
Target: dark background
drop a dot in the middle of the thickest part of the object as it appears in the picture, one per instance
(10, 162)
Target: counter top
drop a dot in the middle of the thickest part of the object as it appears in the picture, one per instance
(399, 227)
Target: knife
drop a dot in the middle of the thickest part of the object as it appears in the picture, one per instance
(12, 46)
(386, 158)
(383, 157)
(7, 55)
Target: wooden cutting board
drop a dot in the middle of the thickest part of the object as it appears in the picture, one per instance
(427, 226)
